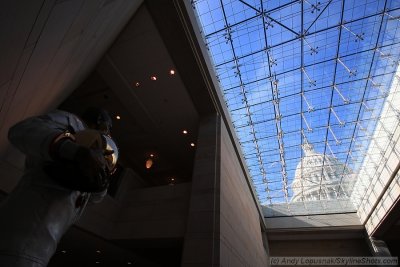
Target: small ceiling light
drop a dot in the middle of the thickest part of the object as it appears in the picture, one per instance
(172, 179)
(153, 78)
(63, 251)
(97, 262)
(151, 155)
(137, 84)
(184, 131)
(192, 144)
(172, 72)
(98, 251)
(129, 263)
(118, 117)
(149, 163)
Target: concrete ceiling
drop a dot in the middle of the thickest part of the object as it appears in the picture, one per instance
(153, 113)
(80, 248)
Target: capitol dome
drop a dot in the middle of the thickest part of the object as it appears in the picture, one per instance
(316, 179)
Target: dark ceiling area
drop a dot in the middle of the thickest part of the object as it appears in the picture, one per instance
(172, 157)
(138, 82)
(79, 248)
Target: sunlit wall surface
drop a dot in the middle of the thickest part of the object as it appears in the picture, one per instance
(296, 73)
(376, 184)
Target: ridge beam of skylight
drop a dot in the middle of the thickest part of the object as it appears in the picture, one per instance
(279, 131)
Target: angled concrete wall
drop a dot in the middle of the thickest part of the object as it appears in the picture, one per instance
(241, 239)
(354, 247)
(378, 188)
(201, 244)
(324, 235)
(144, 213)
(224, 227)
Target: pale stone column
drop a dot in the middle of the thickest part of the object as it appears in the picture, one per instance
(201, 242)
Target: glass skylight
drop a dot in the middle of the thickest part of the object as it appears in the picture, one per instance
(305, 83)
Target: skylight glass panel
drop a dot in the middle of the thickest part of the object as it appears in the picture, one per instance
(305, 83)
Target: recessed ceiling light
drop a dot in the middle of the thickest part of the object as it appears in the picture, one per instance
(149, 163)
(184, 131)
(153, 78)
(63, 251)
(129, 263)
(192, 144)
(118, 117)
(172, 72)
(97, 262)
(98, 251)
(172, 179)
(137, 84)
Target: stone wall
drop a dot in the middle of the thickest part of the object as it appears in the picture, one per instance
(240, 232)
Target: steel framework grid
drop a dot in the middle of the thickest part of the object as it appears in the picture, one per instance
(297, 72)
